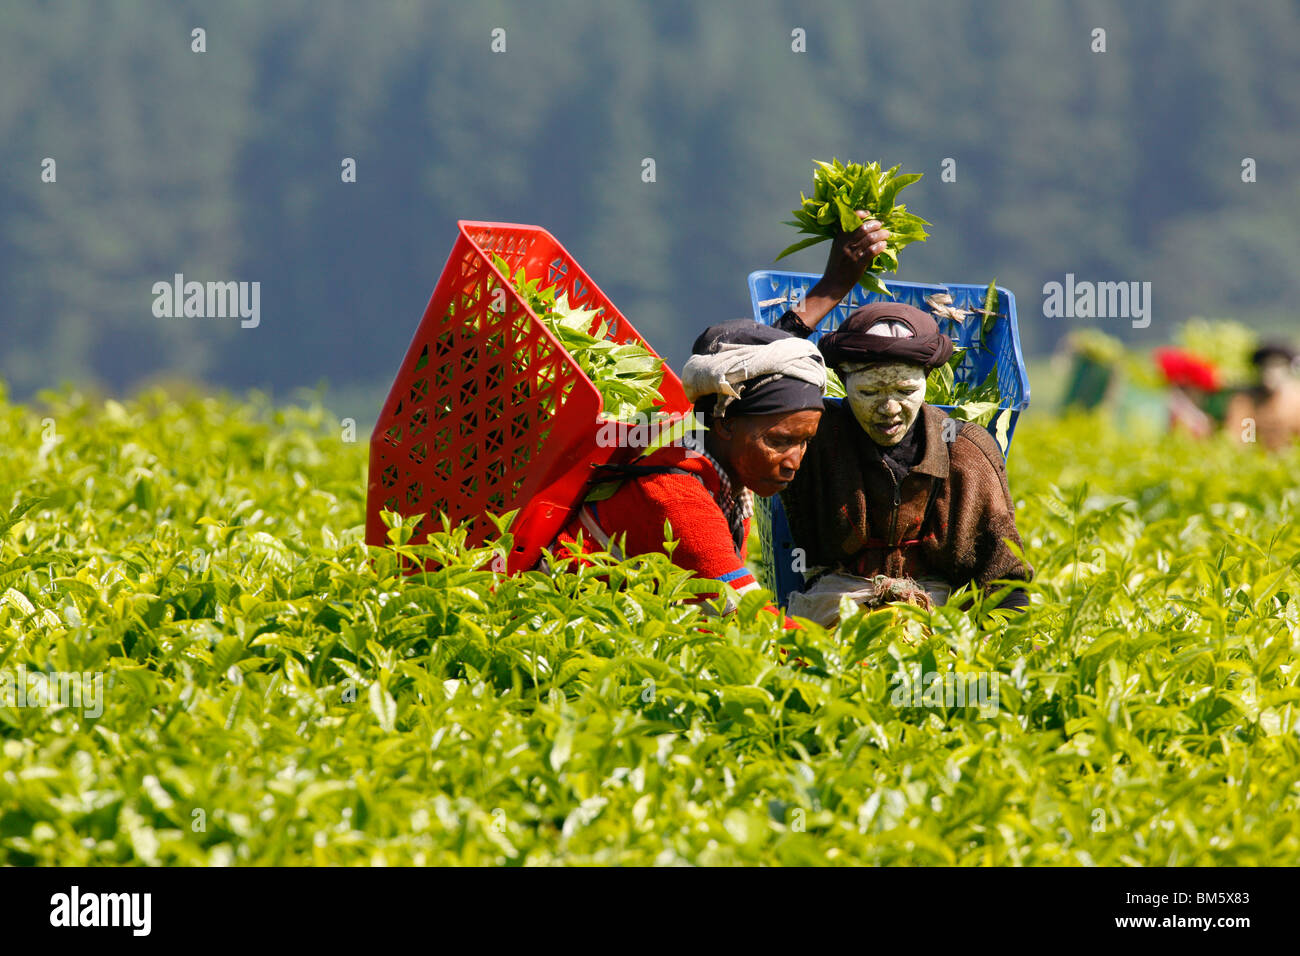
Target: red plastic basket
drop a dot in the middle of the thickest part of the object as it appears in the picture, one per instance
(489, 412)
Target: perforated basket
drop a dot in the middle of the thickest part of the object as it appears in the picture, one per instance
(489, 412)
(772, 293)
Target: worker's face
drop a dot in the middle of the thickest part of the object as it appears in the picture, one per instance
(885, 399)
(765, 451)
(1273, 372)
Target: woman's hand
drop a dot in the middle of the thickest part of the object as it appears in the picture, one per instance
(851, 254)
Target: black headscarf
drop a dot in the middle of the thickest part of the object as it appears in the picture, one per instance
(1273, 349)
(851, 343)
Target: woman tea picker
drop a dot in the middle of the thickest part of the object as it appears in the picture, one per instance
(890, 504)
(759, 390)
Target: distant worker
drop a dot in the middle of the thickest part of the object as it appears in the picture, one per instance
(1269, 413)
(1191, 380)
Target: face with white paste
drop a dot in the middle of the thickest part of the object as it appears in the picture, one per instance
(885, 399)
(1274, 372)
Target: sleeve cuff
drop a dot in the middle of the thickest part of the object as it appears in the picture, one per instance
(1017, 600)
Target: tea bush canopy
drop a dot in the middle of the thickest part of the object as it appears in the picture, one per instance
(270, 691)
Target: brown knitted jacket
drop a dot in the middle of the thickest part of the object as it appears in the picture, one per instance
(947, 518)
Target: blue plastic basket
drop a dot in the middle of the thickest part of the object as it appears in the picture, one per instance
(772, 293)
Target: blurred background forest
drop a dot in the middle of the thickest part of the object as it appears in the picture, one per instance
(1117, 166)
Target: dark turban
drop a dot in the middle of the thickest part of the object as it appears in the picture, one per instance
(852, 343)
(1273, 349)
(755, 369)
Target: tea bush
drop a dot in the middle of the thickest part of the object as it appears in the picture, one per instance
(273, 692)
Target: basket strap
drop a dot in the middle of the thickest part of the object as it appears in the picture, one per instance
(587, 518)
(639, 470)
(589, 524)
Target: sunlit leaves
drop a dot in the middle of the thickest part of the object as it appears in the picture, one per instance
(627, 375)
(276, 692)
(839, 190)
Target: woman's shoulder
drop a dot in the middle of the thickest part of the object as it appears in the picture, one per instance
(686, 474)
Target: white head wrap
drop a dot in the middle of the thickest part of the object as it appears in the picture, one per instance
(719, 373)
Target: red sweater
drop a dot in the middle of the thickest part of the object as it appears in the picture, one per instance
(690, 505)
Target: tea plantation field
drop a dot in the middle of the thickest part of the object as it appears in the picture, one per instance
(267, 694)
